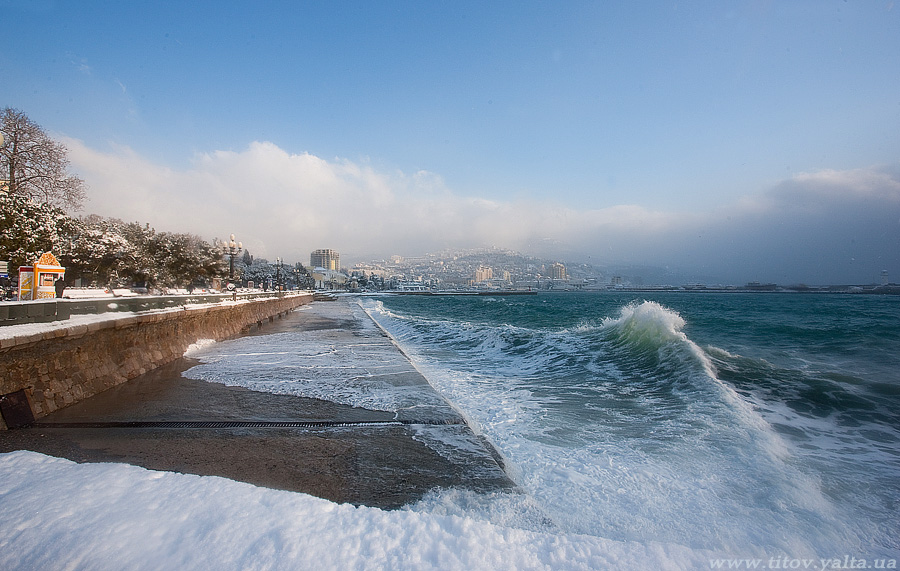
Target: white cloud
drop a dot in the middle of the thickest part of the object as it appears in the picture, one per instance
(873, 183)
(289, 204)
(283, 204)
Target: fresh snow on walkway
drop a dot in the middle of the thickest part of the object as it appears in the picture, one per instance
(57, 514)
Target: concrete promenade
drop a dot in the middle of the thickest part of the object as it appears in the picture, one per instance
(164, 421)
(64, 362)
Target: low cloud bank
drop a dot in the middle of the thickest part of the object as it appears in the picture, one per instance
(822, 227)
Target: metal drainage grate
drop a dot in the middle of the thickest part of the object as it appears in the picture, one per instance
(241, 424)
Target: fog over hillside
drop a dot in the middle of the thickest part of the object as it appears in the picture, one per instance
(823, 227)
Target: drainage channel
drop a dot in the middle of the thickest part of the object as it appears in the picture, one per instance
(241, 424)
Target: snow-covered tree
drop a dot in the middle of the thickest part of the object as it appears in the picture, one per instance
(107, 251)
(300, 277)
(260, 271)
(100, 253)
(29, 228)
(184, 259)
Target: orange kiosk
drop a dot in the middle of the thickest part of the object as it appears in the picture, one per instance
(39, 280)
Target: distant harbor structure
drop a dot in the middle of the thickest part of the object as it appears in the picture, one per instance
(325, 258)
(884, 278)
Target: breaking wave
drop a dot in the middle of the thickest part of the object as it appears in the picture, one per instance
(620, 425)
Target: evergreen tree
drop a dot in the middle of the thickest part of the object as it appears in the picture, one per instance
(107, 251)
(29, 228)
(260, 272)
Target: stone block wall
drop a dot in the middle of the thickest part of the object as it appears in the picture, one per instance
(69, 363)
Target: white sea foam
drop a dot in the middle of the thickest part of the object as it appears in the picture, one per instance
(198, 346)
(367, 372)
(677, 456)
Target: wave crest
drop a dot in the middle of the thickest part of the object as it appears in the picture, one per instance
(647, 324)
(653, 334)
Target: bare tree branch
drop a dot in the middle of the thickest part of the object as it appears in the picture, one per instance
(34, 165)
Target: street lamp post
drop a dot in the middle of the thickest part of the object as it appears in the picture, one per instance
(279, 263)
(232, 249)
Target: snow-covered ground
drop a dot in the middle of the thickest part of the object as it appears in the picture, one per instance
(56, 514)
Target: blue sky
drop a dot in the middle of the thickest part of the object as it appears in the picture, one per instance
(487, 110)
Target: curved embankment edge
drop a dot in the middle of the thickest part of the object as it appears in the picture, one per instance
(63, 365)
(498, 457)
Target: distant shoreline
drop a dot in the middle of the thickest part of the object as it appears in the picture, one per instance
(847, 290)
(451, 292)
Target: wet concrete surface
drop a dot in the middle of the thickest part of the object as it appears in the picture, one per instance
(382, 465)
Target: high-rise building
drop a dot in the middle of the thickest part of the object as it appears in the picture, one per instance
(325, 258)
(558, 272)
(483, 274)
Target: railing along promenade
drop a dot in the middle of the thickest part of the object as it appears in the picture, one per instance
(60, 309)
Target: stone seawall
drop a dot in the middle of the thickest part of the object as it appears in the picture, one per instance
(69, 363)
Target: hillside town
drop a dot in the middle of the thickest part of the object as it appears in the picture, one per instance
(498, 269)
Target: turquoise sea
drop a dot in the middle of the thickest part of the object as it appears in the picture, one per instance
(740, 423)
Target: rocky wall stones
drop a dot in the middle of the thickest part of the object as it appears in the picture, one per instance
(64, 365)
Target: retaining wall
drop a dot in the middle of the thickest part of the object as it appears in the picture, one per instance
(67, 364)
(55, 309)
